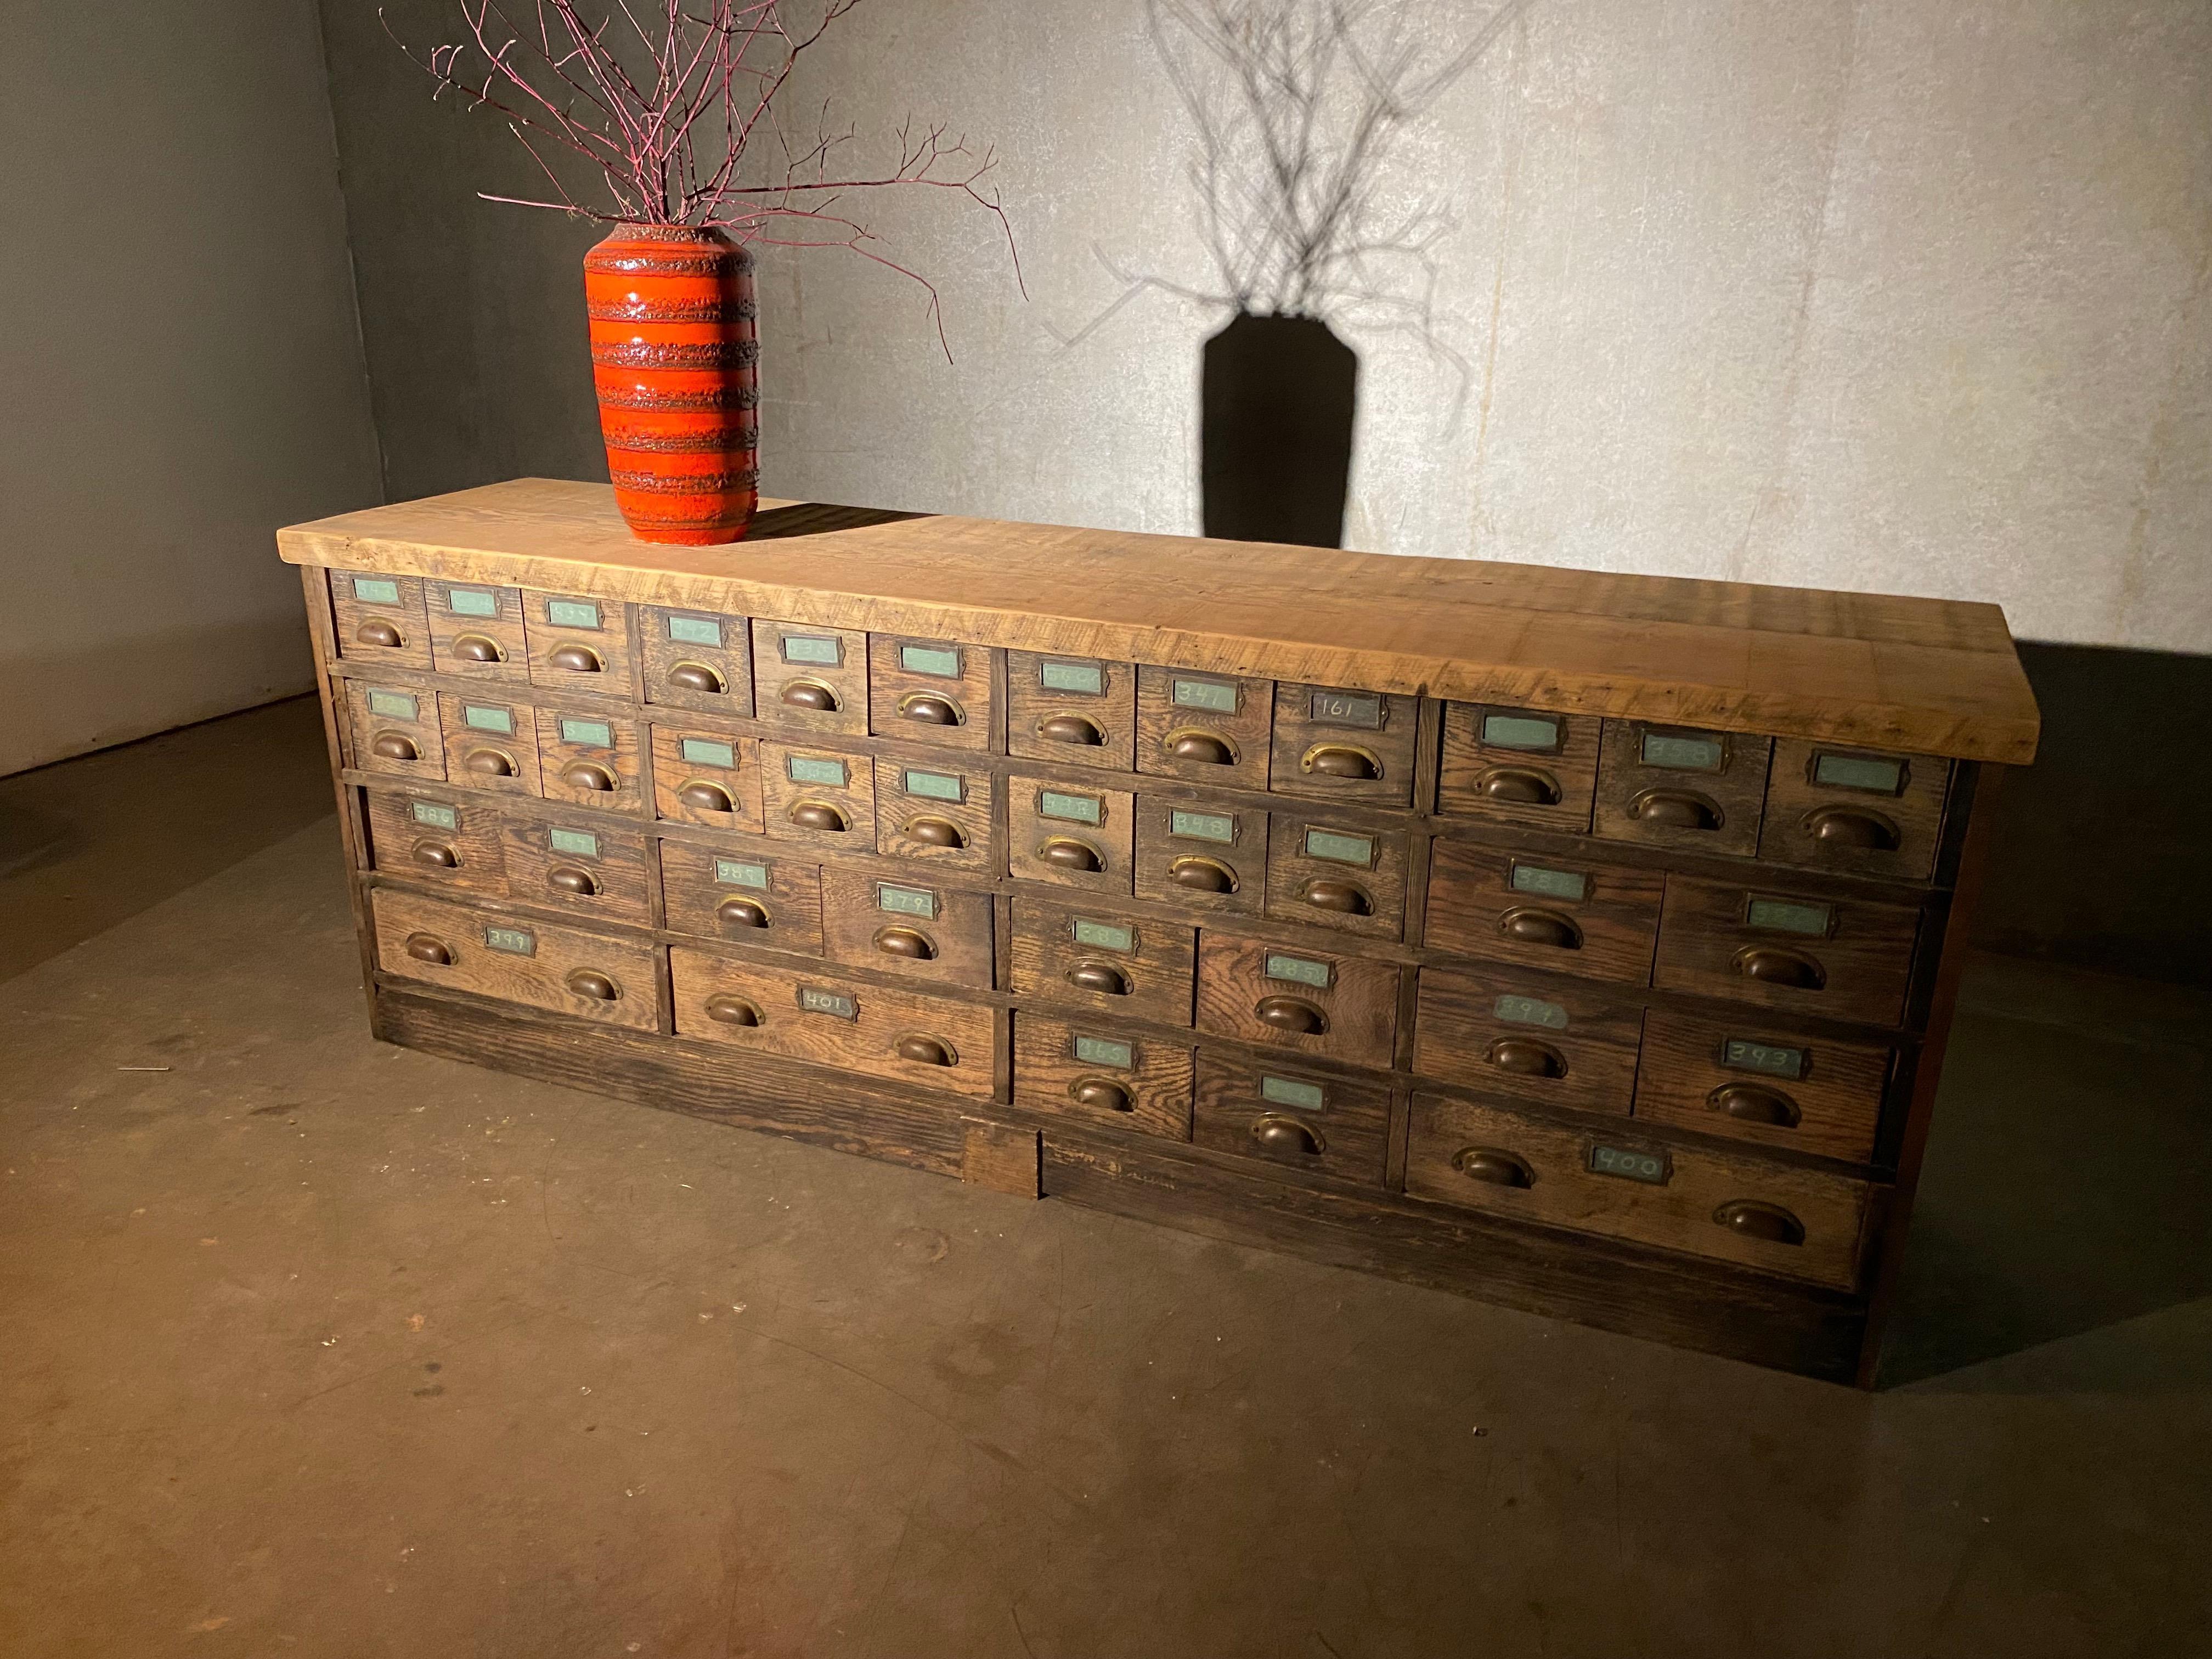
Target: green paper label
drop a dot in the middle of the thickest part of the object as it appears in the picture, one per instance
(1767, 1059)
(440, 817)
(933, 786)
(1107, 1052)
(906, 901)
(587, 734)
(1290, 1092)
(706, 751)
(478, 718)
(1299, 970)
(376, 590)
(1217, 827)
(1630, 1165)
(696, 630)
(1086, 679)
(1073, 809)
(1209, 695)
(515, 941)
(1339, 848)
(1679, 754)
(1881, 777)
(1531, 733)
(1550, 883)
(811, 769)
(1784, 916)
(472, 602)
(1105, 935)
(735, 872)
(825, 651)
(1530, 1011)
(582, 843)
(572, 613)
(396, 704)
(942, 662)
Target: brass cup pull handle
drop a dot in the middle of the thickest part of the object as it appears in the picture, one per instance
(1065, 853)
(1102, 978)
(1676, 809)
(930, 710)
(489, 764)
(1494, 1165)
(436, 854)
(1548, 927)
(1754, 1102)
(741, 913)
(1292, 1014)
(588, 774)
(1755, 1219)
(909, 942)
(427, 947)
(1770, 964)
(1100, 1095)
(810, 695)
(935, 832)
(818, 815)
(576, 882)
(1284, 1137)
(1526, 1057)
(1852, 828)
(592, 983)
(394, 746)
(1208, 748)
(478, 647)
(1071, 728)
(377, 631)
(1344, 898)
(701, 796)
(575, 658)
(1203, 875)
(696, 677)
(726, 1010)
(1341, 760)
(1519, 786)
(925, 1050)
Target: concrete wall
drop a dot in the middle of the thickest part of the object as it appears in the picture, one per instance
(182, 363)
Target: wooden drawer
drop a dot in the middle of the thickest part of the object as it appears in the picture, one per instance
(1339, 1007)
(939, 813)
(588, 758)
(1763, 943)
(476, 630)
(577, 643)
(377, 618)
(1333, 742)
(1118, 965)
(1567, 915)
(1071, 837)
(1801, 1223)
(819, 797)
(1519, 766)
(589, 870)
(1854, 810)
(697, 659)
(491, 743)
(1206, 728)
(1754, 1080)
(902, 925)
(1072, 711)
(563, 971)
(1551, 1041)
(929, 1041)
(1299, 1119)
(1202, 854)
(1328, 876)
(1671, 786)
(774, 903)
(810, 678)
(395, 730)
(708, 778)
(930, 690)
(1091, 1072)
(450, 840)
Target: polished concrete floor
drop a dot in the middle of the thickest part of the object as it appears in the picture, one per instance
(318, 1347)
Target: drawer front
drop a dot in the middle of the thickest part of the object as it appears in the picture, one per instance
(1550, 1041)
(1091, 1072)
(813, 680)
(902, 925)
(1202, 854)
(1801, 1223)
(1206, 728)
(932, 691)
(925, 809)
(477, 631)
(1297, 1119)
(1519, 766)
(1328, 876)
(452, 839)
(1753, 1080)
(584, 869)
(708, 778)
(1668, 786)
(1072, 711)
(1139, 970)
(1339, 1007)
(379, 619)
(1854, 810)
(819, 797)
(1836, 959)
(588, 759)
(1333, 742)
(577, 643)
(1070, 835)
(395, 730)
(903, 1036)
(774, 903)
(697, 660)
(563, 971)
(491, 743)
(1562, 914)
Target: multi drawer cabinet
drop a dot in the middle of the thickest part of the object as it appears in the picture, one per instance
(1581, 941)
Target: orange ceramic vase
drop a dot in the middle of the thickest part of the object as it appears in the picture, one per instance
(677, 364)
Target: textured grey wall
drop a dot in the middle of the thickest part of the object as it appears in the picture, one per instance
(182, 364)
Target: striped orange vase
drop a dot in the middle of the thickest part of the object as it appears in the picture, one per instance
(676, 360)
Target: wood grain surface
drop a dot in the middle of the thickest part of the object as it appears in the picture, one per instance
(543, 977)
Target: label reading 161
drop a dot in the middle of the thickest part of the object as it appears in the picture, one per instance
(1626, 1162)
(1358, 709)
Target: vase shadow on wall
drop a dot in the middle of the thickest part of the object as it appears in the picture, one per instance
(1276, 400)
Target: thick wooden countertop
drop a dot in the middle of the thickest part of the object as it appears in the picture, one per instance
(1931, 676)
